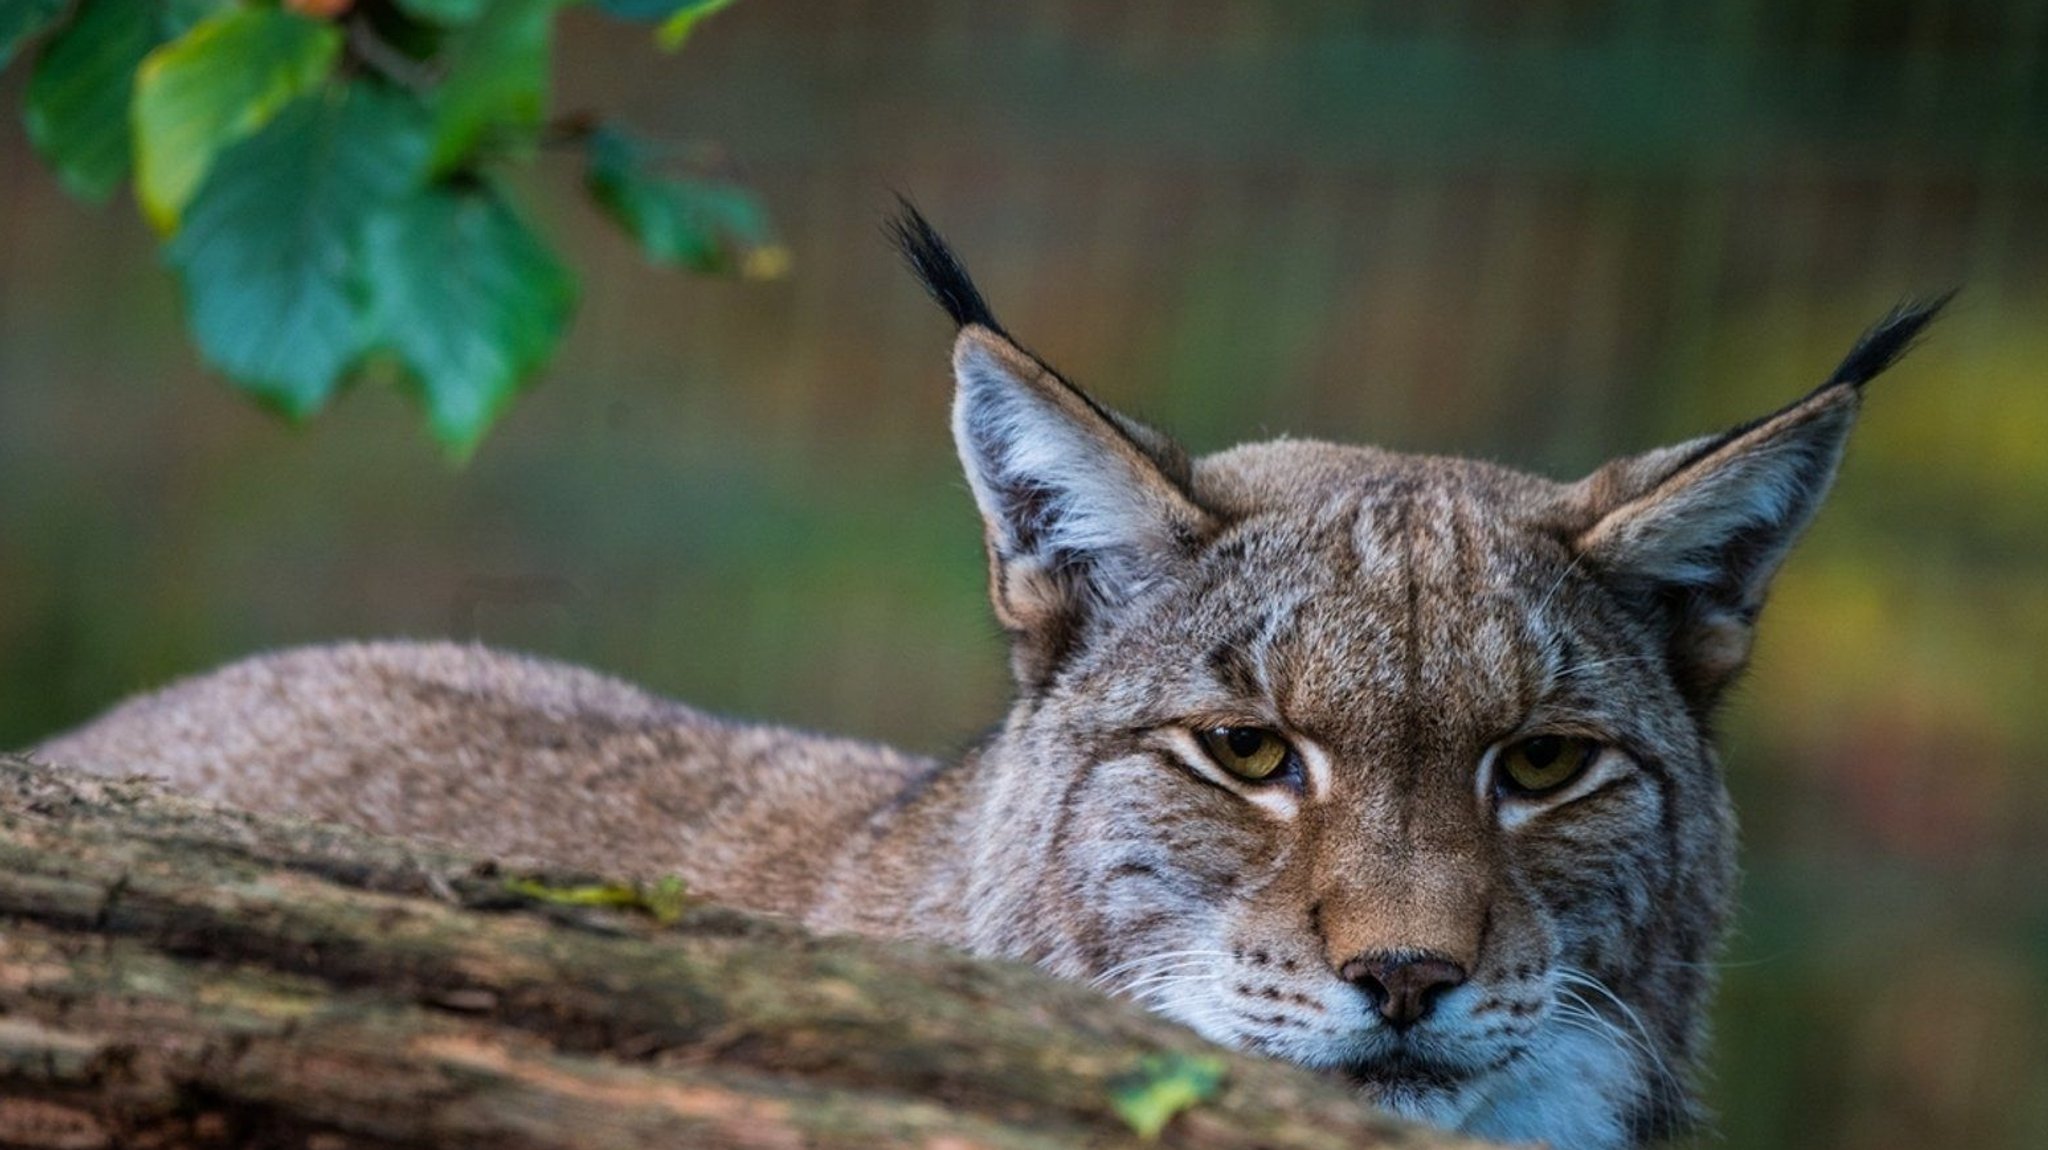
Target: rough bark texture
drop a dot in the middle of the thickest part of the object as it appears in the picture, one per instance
(178, 974)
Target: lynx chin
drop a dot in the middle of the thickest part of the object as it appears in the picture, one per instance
(1390, 765)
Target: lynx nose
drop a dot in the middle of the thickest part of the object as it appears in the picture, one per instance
(1402, 986)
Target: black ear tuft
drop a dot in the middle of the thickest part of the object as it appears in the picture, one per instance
(936, 267)
(1887, 340)
(1876, 351)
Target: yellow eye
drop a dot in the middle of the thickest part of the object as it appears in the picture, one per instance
(1544, 763)
(1247, 752)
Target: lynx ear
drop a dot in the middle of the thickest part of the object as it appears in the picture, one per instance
(1699, 529)
(1084, 509)
(1081, 518)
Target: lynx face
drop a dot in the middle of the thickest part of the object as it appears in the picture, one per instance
(1389, 765)
(1389, 901)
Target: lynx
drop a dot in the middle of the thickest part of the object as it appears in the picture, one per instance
(1394, 766)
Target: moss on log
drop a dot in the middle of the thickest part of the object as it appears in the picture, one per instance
(178, 974)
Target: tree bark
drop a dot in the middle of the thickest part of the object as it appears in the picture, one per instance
(178, 974)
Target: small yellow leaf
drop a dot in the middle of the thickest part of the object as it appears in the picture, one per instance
(664, 901)
(765, 263)
(212, 86)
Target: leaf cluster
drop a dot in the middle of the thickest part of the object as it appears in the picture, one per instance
(328, 180)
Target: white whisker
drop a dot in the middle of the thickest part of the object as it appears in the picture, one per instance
(1168, 967)
(1641, 1040)
(1165, 978)
(1103, 978)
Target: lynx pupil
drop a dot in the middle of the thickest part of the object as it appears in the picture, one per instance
(1248, 752)
(1543, 764)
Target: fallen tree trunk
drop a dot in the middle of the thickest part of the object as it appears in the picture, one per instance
(178, 974)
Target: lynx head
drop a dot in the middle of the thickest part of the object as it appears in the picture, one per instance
(1391, 765)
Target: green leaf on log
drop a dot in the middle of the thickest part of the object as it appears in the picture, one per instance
(664, 900)
(470, 300)
(270, 251)
(1162, 1086)
(216, 84)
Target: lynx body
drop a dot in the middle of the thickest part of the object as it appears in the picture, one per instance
(1390, 765)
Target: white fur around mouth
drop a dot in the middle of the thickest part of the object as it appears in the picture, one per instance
(1427, 1091)
(1426, 1087)
(1408, 1073)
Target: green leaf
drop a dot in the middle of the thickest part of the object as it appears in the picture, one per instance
(77, 105)
(178, 17)
(470, 300)
(216, 84)
(496, 90)
(664, 900)
(677, 27)
(1162, 1086)
(647, 11)
(21, 19)
(446, 13)
(676, 17)
(703, 225)
(270, 252)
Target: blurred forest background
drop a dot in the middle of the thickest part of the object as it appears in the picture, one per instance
(1543, 232)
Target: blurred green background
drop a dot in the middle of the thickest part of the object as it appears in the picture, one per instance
(1535, 230)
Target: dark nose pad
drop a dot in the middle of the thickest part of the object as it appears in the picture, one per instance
(1402, 986)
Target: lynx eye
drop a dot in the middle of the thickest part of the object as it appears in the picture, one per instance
(1248, 752)
(1543, 764)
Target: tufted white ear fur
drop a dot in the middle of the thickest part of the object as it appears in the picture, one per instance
(1084, 510)
(1723, 514)
(1701, 528)
(1697, 530)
